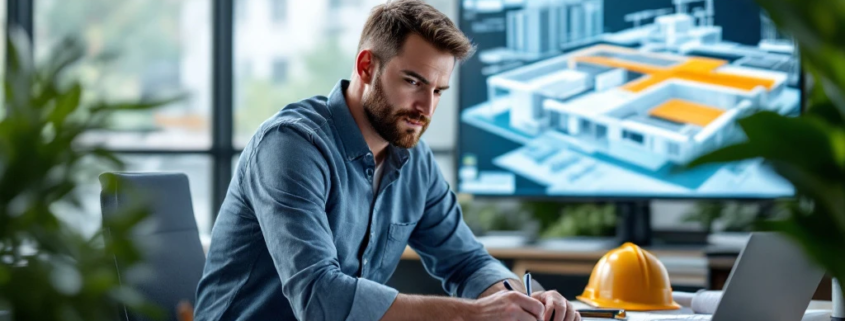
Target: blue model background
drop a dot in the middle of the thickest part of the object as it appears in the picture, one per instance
(610, 98)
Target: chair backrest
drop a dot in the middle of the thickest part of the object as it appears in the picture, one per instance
(170, 241)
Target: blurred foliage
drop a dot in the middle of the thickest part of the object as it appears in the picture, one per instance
(583, 220)
(545, 212)
(485, 216)
(809, 150)
(733, 216)
(49, 271)
(538, 218)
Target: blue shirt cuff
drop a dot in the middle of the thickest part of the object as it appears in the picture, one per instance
(485, 277)
(371, 300)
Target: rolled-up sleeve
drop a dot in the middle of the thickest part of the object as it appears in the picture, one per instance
(372, 300)
(286, 181)
(448, 248)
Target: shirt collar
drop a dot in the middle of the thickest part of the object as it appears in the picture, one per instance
(353, 141)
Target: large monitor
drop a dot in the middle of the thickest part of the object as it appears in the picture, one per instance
(610, 98)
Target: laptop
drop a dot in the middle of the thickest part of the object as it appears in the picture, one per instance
(772, 280)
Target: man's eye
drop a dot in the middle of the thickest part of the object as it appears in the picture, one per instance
(412, 82)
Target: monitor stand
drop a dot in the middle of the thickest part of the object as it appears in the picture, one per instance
(634, 222)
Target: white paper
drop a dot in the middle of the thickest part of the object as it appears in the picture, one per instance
(816, 315)
(706, 302)
(683, 298)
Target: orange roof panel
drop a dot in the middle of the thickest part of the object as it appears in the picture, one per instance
(686, 112)
(696, 69)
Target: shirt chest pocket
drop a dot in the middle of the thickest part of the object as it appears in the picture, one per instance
(397, 239)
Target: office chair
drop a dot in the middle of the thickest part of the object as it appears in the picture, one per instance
(170, 242)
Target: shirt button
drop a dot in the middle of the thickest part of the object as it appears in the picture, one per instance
(369, 172)
(365, 261)
(369, 154)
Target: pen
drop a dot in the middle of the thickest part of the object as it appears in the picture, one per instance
(526, 279)
(617, 314)
(508, 286)
(526, 282)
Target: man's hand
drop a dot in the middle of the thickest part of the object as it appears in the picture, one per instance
(553, 301)
(506, 305)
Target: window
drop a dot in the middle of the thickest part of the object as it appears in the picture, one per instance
(280, 71)
(562, 122)
(163, 48)
(279, 10)
(241, 9)
(501, 92)
(321, 57)
(586, 126)
(601, 131)
(674, 149)
(632, 136)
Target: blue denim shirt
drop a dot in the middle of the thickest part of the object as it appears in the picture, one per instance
(301, 233)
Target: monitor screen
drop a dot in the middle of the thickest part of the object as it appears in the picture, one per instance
(611, 98)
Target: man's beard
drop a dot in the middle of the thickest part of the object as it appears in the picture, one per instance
(386, 122)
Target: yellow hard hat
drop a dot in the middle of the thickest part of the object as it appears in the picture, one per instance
(629, 278)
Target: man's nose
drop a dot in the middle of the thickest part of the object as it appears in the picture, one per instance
(425, 105)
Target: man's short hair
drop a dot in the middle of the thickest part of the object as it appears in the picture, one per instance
(390, 24)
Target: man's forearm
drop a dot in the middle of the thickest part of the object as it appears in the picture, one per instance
(419, 307)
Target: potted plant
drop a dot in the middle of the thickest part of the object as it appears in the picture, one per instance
(809, 150)
(49, 271)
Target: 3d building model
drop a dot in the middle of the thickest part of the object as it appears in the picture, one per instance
(626, 110)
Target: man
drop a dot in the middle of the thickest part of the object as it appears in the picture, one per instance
(330, 190)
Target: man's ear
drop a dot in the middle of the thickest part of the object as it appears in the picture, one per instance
(365, 66)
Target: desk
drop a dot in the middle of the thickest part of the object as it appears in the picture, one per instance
(686, 266)
(565, 271)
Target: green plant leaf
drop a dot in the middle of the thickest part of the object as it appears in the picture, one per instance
(72, 52)
(837, 146)
(826, 111)
(731, 153)
(828, 195)
(66, 104)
